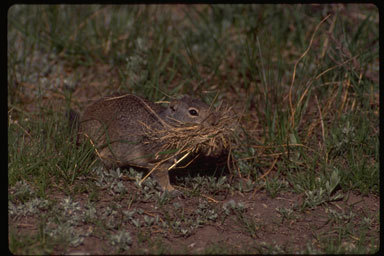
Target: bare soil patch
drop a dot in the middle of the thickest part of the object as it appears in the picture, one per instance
(255, 228)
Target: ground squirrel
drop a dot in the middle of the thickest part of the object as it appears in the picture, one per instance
(116, 126)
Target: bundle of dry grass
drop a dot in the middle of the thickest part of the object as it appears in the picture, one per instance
(194, 139)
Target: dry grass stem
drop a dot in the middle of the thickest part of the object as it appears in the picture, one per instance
(179, 160)
(322, 128)
(93, 145)
(151, 171)
(294, 70)
(324, 114)
(82, 24)
(270, 169)
(208, 197)
(187, 164)
(326, 41)
(348, 84)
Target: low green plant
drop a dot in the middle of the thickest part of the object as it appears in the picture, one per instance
(323, 194)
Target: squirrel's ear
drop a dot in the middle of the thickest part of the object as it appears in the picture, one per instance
(173, 105)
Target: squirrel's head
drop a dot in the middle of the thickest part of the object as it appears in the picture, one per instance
(190, 110)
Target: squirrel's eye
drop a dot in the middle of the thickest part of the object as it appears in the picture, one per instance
(193, 112)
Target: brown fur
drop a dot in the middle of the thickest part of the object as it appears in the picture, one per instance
(116, 126)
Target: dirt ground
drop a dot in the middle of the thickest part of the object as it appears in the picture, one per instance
(265, 229)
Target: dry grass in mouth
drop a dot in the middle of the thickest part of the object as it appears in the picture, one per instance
(185, 139)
